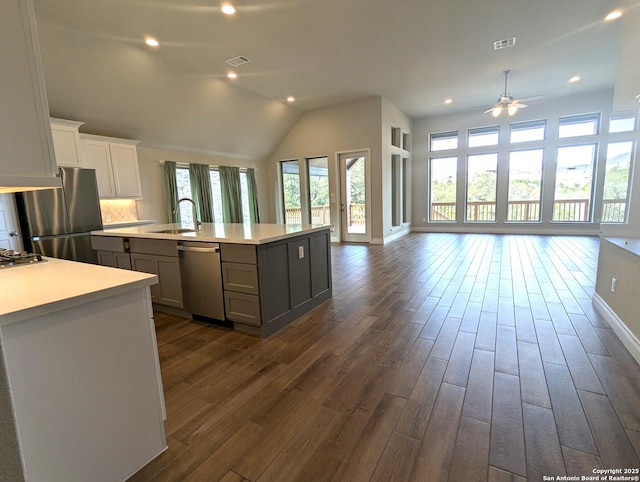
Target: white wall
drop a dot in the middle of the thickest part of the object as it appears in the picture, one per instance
(151, 175)
(550, 109)
(392, 117)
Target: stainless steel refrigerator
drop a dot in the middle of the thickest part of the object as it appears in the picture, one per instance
(58, 222)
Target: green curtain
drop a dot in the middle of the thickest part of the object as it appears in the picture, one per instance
(171, 192)
(254, 212)
(231, 194)
(201, 191)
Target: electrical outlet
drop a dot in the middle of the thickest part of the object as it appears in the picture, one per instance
(613, 285)
(300, 252)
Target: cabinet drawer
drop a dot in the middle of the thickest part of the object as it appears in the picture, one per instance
(242, 307)
(240, 277)
(238, 253)
(154, 246)
(109, 243)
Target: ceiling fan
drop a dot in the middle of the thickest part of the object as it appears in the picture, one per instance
(506, 102)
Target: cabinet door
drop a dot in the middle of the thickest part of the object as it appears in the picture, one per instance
(25, 134)
(66, 143)
(123, 261)
(170, 281)
(98, 157)
(126, 176)
(147, 264)
(106, 258)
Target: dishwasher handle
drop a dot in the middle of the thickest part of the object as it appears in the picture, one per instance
(198, 250)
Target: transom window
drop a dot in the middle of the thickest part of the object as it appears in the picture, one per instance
(483, 136)
(622, 124)
(528, 131)
(444, 141)
(579, 125)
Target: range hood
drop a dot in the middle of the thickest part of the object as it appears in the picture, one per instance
(27, 183)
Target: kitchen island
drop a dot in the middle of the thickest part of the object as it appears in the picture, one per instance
(80, 389)
(271, 274)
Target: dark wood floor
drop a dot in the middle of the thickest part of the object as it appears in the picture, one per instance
(440, 357)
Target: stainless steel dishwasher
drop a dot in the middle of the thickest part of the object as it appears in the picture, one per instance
(201, 279)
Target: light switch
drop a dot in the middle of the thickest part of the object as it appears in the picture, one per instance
(300, 252)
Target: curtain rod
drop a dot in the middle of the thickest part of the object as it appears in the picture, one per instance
(211, 166)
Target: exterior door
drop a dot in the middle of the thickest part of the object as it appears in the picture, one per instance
(9, 234)
(354, 197)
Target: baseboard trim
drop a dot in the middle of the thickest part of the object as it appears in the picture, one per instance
(629, 340)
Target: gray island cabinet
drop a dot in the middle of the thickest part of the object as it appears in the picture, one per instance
(271, 274)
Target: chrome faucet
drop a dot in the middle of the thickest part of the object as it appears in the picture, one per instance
(195, 210)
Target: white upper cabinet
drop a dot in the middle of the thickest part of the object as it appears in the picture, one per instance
(66, 142)
(28, 160)
(116, 165)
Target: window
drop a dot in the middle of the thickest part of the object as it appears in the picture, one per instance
(528, 131)
(481, 187)
(525, 185)
(442, 192)
(398, 190)
(622, 124)
(616, 182)
(483, 136)
(579, 125)
(216, 193)
(318, 170)
(184, 190)
(574, 179)
(244, 198)
(444, 141)
(290, 171)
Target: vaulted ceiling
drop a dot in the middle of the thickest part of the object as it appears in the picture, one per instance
(415, 53)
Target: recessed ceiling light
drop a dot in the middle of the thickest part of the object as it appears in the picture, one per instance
(232, 75)
(574, 79)
(448, 101)
(228, 9)
(291, 99)
(151, 42)
(613, 15)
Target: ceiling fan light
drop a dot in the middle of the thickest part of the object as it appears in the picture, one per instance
(495, 112)
(512, 109)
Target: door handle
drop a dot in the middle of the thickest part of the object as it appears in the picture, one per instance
(13, 233)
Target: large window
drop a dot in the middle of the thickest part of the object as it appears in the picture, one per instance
(481, 187)
(616, 182)
(184, 190)
(525, 185)
(574, 180)
(442, 191)
(290, 172)
(318, 171)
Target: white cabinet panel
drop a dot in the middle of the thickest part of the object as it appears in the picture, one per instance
(25, 136)
(98, 157)
(66, 142)
(116, 165)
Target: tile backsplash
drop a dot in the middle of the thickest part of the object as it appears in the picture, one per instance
(118, 210)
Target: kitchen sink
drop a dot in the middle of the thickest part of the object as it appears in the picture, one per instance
(175, 231)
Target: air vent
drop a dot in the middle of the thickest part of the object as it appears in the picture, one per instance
(503, 44)
(239, 60)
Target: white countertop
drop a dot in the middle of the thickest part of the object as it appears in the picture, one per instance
(125, 224)
(629, 244)
(40, 288)
(218, 232)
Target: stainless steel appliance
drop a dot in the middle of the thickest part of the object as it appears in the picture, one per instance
(58, 222)
(10, 258)
(201, 276)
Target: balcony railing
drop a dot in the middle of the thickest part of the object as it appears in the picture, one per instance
(322, 215)
(573, 210)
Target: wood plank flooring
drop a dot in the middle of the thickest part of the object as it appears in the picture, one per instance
(440, 357)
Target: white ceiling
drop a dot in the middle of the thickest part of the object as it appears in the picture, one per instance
(415, 53)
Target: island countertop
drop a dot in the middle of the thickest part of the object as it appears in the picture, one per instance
(217, 232)
(54, 285)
